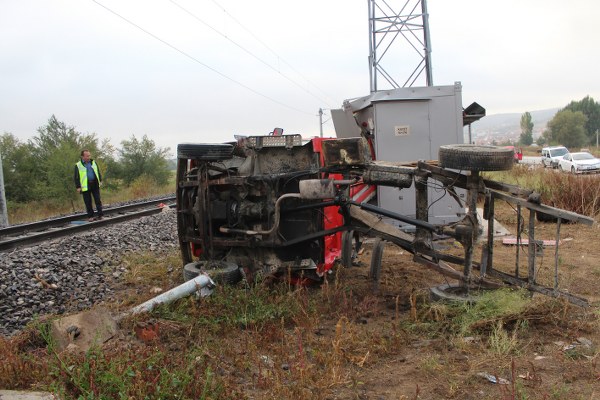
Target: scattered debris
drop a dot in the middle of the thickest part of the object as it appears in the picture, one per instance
(525, 242)
(267, 361)
(580, 342)
(584, 342)
(147, 331)
(45, 283)
(73, 331)
(23, 395)
(528, 376)
(493, 378)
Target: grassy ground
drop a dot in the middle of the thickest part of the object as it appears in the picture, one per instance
(338, 341)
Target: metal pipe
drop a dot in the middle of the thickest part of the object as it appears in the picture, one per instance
(390, 214)
(532, 249)
(490, 234)
(472, 187)
(556, 254)
(201, 282)
(519, 227)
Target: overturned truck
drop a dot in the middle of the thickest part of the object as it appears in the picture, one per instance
(278, 207)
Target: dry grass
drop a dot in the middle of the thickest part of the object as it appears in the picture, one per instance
(576, 193)
(286, 342)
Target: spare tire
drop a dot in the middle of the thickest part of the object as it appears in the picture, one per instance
(218, 271)
(206, 152)
(472, 157)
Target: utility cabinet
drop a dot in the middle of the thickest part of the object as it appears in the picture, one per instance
(409, 124)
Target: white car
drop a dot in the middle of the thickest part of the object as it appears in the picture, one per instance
(552, 155)
(579, 163)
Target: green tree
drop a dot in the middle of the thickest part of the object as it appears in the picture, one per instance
(568, 128)
(542, 139)
(526, 137)
(55, 150)
(591, 109)
(60, 166)
(43, 167)
(142, 157)
(18, 167)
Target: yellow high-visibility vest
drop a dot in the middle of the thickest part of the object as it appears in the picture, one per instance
(83, 174)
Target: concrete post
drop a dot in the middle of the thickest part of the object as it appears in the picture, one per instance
(3, 213)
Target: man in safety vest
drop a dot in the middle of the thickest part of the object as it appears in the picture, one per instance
(88, 181)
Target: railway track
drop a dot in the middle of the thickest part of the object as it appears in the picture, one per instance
(28, 234)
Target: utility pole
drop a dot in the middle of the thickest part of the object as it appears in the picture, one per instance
(596, 139)
(3, 213)
(321, 122)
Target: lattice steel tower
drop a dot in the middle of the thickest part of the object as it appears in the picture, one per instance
(386, 26)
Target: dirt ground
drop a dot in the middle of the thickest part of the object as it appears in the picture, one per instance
(550, 362)
(392, 342)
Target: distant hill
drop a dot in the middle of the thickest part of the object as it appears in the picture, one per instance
(503, 127)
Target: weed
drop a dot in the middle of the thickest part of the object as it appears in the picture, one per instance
(430, 364)
(559, 391)
(146, 269)
(501, 342)
(491, 306)
(23, 362)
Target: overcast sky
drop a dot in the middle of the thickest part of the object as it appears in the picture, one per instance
(204, 70)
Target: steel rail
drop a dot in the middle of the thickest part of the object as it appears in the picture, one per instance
(61, 226)
(22, 229)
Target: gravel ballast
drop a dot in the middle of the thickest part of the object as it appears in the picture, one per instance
(75, 273)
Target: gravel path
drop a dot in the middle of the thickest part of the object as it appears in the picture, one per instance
(74, 273)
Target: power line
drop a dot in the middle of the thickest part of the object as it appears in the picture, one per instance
(248, 51)
(200, 62)
(271, 50)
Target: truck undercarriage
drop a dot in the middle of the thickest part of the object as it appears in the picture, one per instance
(273, 207)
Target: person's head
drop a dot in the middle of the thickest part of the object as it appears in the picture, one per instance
(86, 155)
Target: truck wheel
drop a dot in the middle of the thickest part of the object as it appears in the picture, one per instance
(376, 257)
(219, 271)
(206, 152)
(475, 158)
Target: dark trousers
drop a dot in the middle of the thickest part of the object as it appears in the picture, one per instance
(93, 190)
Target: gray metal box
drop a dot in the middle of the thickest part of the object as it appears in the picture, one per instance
(410, 124)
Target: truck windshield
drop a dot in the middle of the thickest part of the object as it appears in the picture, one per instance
(558, 152)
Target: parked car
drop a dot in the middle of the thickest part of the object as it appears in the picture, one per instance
(552, 155)
(579, 163)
